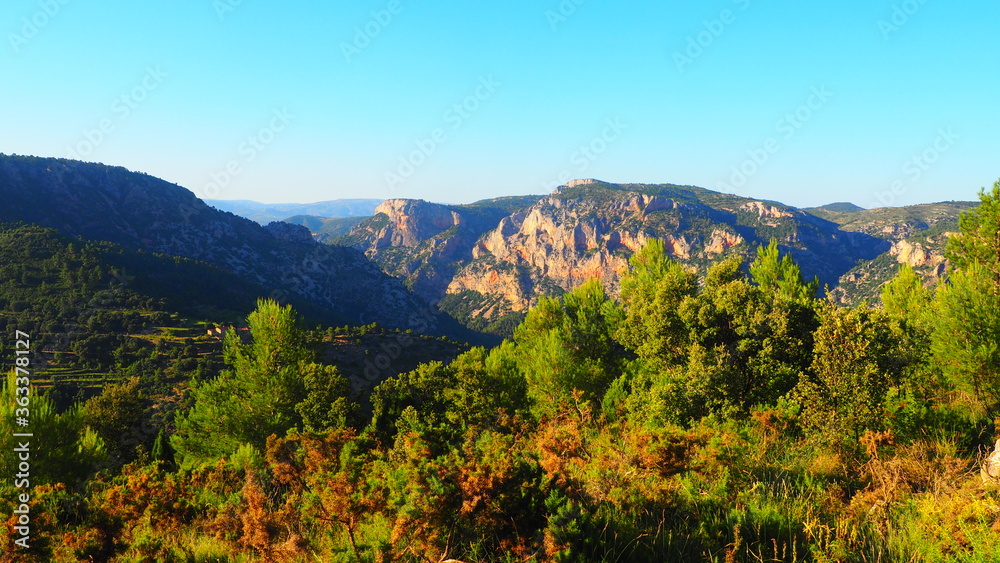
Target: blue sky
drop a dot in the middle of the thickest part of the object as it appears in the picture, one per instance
(875, 102)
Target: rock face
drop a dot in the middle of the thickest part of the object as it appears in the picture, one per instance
(491, 260)
(926, 255)
(563, 240)
(140, 212)
(990, 469)
(412, 222)
(424, 243)
(765, 211)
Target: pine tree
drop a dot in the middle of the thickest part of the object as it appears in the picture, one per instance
(966, 340)
(780, 275)
(748, 344)
(651, 295)
(909, 307)
(272, 386)
(568, 346)
(979, 240)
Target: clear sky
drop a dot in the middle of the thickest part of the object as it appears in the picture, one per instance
(805, 102)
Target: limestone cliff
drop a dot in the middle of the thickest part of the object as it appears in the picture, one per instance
(410, 222)
(423, 243)
(487, 261)
(565, 239)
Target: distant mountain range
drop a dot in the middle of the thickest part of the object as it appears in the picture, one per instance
(421, 265)
(486, 263)
(140, 213)
(265, 213)
(918, 234)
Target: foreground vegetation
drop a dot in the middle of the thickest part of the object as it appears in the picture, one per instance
(732, 418)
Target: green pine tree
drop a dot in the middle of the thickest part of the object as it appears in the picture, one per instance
(272, 386)
(966, 339)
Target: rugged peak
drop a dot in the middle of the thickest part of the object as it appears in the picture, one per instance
(404, 205)
(582, 182)
(764, 210)
(411, 221)
(500, 256)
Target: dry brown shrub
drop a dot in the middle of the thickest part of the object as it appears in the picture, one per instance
(562, 450)
(896, 472)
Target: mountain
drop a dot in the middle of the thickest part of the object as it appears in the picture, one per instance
(487, 262)
(484, 263)
(264, 213)
(39, 265)
(897, 223)
(833, 209)
(142, 213)
(918, 235)
(426, 243)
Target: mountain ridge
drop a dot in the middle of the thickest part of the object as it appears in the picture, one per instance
(264, 213)
(417, 264)
(489, 272)
(139, 212)
(487, 276)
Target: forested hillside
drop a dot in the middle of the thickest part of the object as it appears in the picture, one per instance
(918, 234)
(141, 213)
(734, 415)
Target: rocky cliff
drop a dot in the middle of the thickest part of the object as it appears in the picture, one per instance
(493, 268)
(425, 243)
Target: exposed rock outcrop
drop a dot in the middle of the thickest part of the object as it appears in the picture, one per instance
(423, 243)
(410, 222)
(989, 471)
(917, 254)
(764, 210)
(586, 229)
(561, 242)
